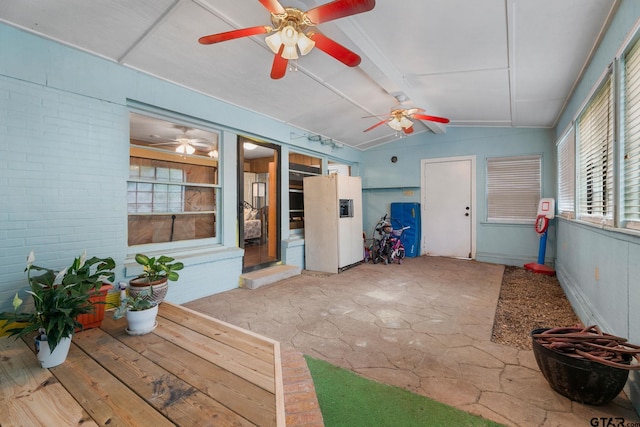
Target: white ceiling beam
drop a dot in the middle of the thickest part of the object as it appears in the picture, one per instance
(396, 82)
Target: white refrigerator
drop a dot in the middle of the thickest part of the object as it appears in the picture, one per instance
(332, 222)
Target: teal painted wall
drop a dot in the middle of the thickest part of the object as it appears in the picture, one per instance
(386, 182)
(599, 269)
(64, 155)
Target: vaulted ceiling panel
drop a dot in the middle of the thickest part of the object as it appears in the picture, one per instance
(479, 63)
(104, 27)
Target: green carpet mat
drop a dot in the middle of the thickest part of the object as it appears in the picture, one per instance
(349, 400)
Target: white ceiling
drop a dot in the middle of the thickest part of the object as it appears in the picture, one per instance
(477, 62)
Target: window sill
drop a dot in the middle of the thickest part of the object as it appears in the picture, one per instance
(188, 256)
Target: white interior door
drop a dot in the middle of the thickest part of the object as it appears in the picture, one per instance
(448, 205)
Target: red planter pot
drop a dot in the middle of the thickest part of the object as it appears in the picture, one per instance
(98, 298)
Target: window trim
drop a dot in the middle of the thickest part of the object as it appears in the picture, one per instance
(604, 176)
(566, 168)
(625, 147)
(192, 244)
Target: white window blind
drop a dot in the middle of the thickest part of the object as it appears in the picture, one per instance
(631, 155)
(595, 141)
(566, 150)
(513, 188)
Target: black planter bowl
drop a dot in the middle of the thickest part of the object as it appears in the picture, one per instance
(581, 380)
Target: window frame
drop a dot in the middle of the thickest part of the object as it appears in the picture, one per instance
(566, 173)
(595, 173)
(629, 159)
(171, 155)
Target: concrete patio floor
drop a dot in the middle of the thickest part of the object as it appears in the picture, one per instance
(424, 325)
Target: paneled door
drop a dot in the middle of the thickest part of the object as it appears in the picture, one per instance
(448, 206)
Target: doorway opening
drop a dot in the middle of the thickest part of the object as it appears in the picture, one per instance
(259, 196)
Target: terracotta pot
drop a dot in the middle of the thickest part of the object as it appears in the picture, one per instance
(94, 320)
(141, 285)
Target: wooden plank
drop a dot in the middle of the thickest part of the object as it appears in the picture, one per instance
(241, 396)
(250, 368)
(232, 335)
(31, 395)
(180, 402)
(229, 334)
(109, 401)
(281, 415)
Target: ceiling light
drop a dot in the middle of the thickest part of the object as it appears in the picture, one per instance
(185, 147)
(395, 124)
(290, 52)
(249, 146)
(289, 36)
(305, 43)
(213, 154)
(405, 123)
(274, 41)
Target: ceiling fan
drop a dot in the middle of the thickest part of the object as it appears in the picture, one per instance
(186, 145)
(399, 119)
(289, 26)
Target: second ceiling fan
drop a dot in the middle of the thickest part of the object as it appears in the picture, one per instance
(289, 26)
(399, 119)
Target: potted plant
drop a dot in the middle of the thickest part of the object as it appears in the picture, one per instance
(157, 272)
(93, 276)
(140, 310)
(58, 299)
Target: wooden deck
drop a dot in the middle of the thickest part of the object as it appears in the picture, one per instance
(192, 370)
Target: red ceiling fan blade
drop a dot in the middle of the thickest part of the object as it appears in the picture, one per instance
(235, 34)
(279, 67)
(332, 48)
(273, 6)
(408, 130)
(380, 123)
(338, 9)
(430, 118)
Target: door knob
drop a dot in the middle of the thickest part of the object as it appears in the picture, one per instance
(466, 214)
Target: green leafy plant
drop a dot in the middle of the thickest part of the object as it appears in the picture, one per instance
(139, 302)
(158, 268)
(58, 298)
(89, 274)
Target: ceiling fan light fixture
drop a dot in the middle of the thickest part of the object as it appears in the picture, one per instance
(289, 36)
(405, 123)
(395, 124)
(185, 147)
(290, 52)
(305, 44)
(274, 41)
(213, 154)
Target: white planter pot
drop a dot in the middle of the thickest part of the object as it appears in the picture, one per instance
(49, 359)
(142, 322)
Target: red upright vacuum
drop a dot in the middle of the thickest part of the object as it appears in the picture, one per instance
(546, 209)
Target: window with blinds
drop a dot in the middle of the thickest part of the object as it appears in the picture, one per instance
(630, 168)
(595, 145)
(513, 189)
(566, 153)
